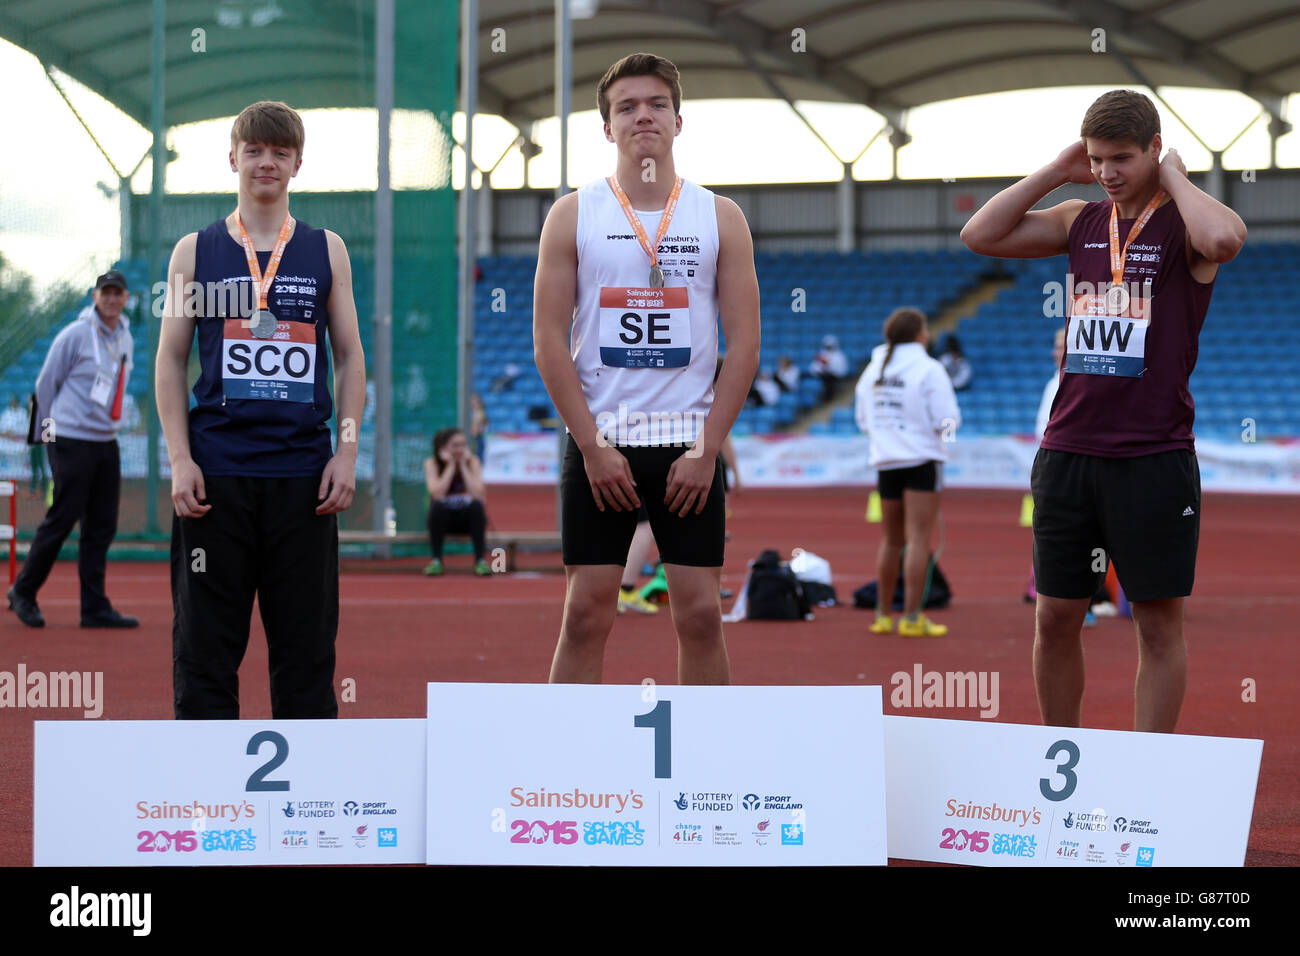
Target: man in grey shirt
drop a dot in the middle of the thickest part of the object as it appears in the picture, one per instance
(79, 397)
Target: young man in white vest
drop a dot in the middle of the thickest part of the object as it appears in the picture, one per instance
(633, 274)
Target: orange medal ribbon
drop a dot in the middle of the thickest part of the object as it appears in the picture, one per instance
(656, 274)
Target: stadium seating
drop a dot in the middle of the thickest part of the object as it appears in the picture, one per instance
(1247, 367)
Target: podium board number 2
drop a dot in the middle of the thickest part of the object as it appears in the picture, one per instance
(1071, 751)
(661, 720)
(257, 781)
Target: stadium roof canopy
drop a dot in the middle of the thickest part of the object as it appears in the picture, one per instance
(887, 54)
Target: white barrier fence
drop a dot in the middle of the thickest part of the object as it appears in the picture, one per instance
(801, 461)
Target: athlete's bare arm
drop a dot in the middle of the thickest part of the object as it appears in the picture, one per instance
(1215, 234)
(691, 475)
(554, 291)
(170, 383)
(338, 481)
(1006, 227)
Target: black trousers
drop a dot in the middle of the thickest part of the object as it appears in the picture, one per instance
(87, 483)
(261, 537)
(470, 520)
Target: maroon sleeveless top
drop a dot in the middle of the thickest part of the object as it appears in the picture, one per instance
(1147, 409)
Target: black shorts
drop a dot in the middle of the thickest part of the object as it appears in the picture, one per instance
(592, 536)
(926, 477)
(1143, 514)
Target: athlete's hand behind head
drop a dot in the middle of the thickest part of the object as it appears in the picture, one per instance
(1073, 164)
(1170, 165)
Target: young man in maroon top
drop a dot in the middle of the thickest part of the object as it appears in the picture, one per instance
(1116, 477)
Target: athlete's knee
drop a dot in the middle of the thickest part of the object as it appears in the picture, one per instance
(1059, 620)
(587, 620)
(698, 619)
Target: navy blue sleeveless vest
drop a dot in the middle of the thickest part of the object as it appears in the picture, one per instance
(263, 405)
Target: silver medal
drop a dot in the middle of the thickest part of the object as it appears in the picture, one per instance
(1117, 299)
(262, 323)
(656, 277)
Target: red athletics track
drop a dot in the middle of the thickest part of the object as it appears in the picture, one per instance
(399, 629)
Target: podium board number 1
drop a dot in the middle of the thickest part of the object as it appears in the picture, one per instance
(1071, 750)
(661, 720)
(257, 781)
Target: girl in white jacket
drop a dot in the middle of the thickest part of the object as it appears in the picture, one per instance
(905, 402)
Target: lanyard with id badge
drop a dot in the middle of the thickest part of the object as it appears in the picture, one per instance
(263, 358)
(109, 386)
(650, 326)
(1107, 333)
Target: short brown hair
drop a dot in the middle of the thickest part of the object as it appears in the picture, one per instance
(1121, 116)
(639, 64)
(270, 122)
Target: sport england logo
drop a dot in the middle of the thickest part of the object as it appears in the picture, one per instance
(750, 802)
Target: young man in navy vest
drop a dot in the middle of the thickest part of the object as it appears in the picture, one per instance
(1116, 475)
(256, 482)
(626, 309)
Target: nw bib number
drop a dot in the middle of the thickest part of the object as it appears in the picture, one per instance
(1104, 340)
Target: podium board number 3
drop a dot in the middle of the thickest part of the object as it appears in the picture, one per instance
(257, 781)
(1070, 750)
(660, 718)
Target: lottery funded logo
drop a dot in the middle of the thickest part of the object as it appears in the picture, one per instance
(705, 801)
(1091, 821)
(312, 809)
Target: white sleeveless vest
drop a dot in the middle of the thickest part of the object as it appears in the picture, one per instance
(646, 357)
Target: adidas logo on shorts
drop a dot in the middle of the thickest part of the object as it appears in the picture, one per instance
(1188, 511)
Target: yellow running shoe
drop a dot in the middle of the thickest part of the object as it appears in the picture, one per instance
(921, 627)
(630, 600)
(883, 624)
